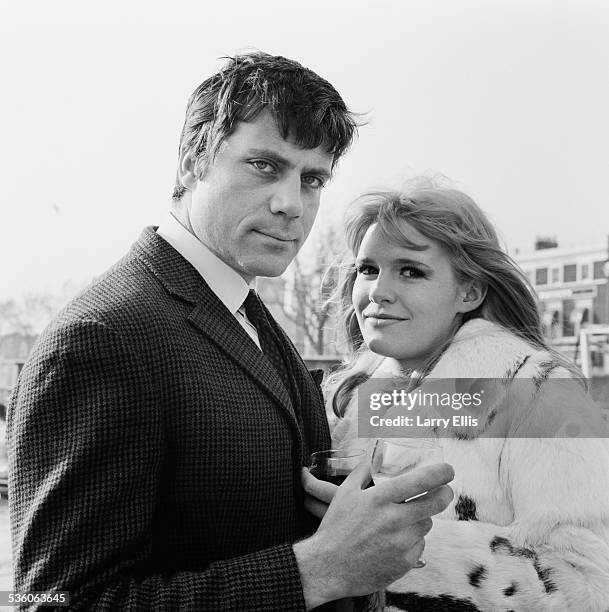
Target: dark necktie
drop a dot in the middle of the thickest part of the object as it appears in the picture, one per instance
(268, 340)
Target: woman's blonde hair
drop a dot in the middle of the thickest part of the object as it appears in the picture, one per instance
(452, 219)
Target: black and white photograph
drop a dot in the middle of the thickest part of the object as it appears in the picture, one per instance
(305, 306)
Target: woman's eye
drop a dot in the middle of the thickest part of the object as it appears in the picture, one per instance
(365, 269)
(410, 272)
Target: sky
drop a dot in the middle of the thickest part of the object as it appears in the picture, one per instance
(509, 99)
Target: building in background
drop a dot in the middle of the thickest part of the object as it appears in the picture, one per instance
(572, 284)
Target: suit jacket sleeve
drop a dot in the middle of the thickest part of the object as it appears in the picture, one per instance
(86, 445)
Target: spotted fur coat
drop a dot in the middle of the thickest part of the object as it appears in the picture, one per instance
(528, 528)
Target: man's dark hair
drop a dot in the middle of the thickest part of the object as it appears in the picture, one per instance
(306, 107)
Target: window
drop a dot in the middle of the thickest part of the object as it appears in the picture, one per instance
(555, 275)
(541, 276)
(568, 328)
(569, 273)
(598, 269)
(585, 271)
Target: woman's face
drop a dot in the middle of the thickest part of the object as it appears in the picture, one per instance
(405, 300)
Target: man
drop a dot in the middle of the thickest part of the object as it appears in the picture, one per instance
(158, 432)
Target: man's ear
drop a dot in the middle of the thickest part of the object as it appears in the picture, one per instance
(471, 295)
(187, 170)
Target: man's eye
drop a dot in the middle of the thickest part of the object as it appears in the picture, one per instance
(313, 181)
(263, 166)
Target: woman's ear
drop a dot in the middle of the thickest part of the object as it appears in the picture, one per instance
(471, 295)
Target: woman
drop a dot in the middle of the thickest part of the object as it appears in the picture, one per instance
(429, 294)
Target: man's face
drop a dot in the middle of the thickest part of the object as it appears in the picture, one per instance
(257, 201)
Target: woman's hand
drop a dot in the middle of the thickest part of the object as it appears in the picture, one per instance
(319, 493)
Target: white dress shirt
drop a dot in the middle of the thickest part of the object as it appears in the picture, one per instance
(225, 282)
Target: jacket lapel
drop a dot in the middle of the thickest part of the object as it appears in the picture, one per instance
(210, 316)
(220, 326)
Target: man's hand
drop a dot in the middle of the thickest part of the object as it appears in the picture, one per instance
(369, 538)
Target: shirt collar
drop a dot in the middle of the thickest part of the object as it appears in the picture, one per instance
(223, 280)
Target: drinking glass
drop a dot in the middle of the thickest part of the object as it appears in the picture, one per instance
(335, 465)
(391, 458)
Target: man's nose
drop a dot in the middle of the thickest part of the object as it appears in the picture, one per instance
(287, 197)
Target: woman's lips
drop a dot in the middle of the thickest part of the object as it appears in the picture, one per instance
(383, 320)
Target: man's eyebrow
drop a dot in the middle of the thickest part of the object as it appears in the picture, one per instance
(283, 161)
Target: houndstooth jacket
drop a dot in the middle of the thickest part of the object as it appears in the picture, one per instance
(154, 454)
(528, 529)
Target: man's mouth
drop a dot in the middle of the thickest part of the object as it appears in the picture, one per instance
(281, 236)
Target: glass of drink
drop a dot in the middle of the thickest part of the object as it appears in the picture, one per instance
(391, 458)
(335, 465)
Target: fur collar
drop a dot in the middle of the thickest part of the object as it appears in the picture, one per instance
(480, 349)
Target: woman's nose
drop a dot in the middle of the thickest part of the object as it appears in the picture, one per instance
(381, 290)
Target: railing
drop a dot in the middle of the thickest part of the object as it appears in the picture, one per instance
(324, 362)
(594, 337)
